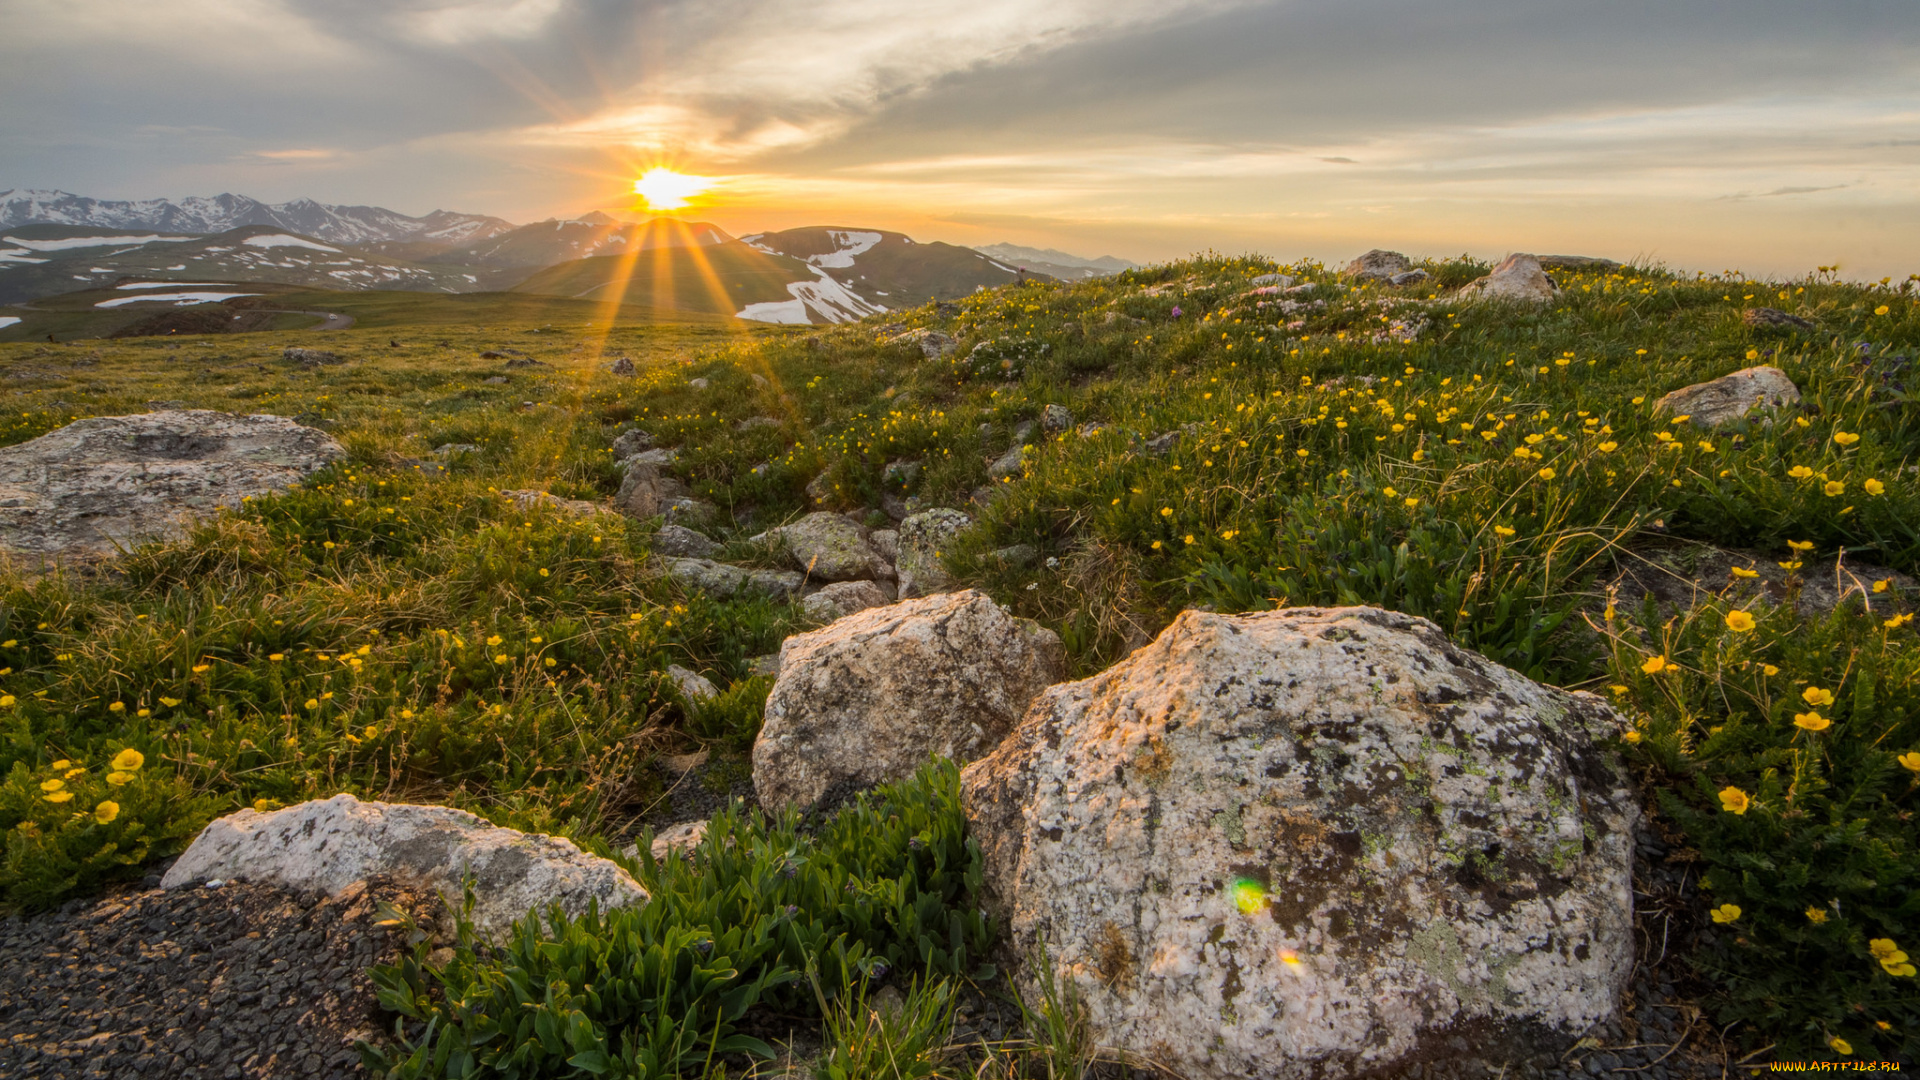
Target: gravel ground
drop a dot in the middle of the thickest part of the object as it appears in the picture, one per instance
(239, 981)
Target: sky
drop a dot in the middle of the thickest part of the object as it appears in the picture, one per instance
(1762, 135)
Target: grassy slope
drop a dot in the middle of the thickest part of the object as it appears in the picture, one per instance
(507, 661)
(682, 279)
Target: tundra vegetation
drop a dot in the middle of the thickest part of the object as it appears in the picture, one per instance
(399, 629)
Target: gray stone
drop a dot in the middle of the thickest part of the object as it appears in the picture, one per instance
(753, 423)
(629, 443)
(692, 685)
(643, 491)
(1410, 277)
(1281, 280)
(681, 839)
(1007, 464)
(529, 498)
(825, 546)
(452, 448)
(901, 473)
(495, 380)
(328, 845)
(1312, 843)
(923, 541)
(1303, 289)
(871, 697)
(843, 598)
(310, 358)
(1518, 278)
(1577, 262)
(1055, 420)
(722, 580)
(680, 541)
(659, 459)
(1377, 265)
(1731, 397)
(932, 344)
(681, 510)
(1016, 555)
(885, 543)
(620, 366)
(107, 482)
(1774, 318)
(1163, 443)
(698, 384)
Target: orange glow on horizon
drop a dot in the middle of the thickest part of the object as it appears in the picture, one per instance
(665, 189)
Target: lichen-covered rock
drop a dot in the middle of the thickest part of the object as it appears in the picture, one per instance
(932, 344)
(923, 541)
(722, 580)
(328, 844)
(1377, 265)
(843, 598)
(1312, 843)
(680, 541)
(1056, 420)
(1518, 278)
(1007, 464)
(528, 498)
(825, 546)
(644, 491)
(108, 482)
(885, 543)
(631, 442)
(870, 698)
(692, 685)
(1731, 397)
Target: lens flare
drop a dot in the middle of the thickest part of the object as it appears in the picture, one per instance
(1249, 895)
(1288, 956)
(665, 189)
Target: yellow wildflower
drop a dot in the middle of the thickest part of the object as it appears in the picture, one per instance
(59, 797)
(1910, 762)
(129, 760)
(1811, 721)
(106, 811)
(1840, 1046)
(1743, 572)
(1502, 530)
(1546, 474)
(1814, 695)
(1654, 665)
(119, 779)
(1725, 913)
(1834, 487)
(1799, 472)
(1882, 585)
(1769, 671)
(1739, 621)
(1816, 915)
(52, 785)
(1734, 801)
(1845, 438)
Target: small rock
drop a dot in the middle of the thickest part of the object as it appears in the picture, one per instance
(827, 547)
(644, 492)
(1577, 262)
(1518, 278)
(897, 508)
(698, 384)
(885, 543)
(528, 499)
(681, 510)
(1162, 444)
(821, 490)
(1774, 318)
(620, 366)
(659, 459)
(753, 422)
(1731, 397)
(1282, 280)
(524, 362)
(681, 839)
(1377, 265)
(1410, 277)
(452, 448)
(1016, 555)
(871, 697)
(629, 443)
(1302, 289)
(1023, 431)
(328, 845)
(722, 580)
(923, 539)
(495, 380)
(1055, 420)
(932, 343)
(1008, 463)
(843, 598)
(680, 541)
(310, 358)
(692, 685)
(901, 473)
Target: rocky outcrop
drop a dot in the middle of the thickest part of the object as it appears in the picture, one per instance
(629, 443)
(108, 482)
(328, 844)
(722, 580)
(932, 344)
(870, 698)
(645, 491)
(1377, 265)
(825, 546)
(843, 598)
(1312, 843)
(923, 541)
(1007, 464)
(682, 542)
(1729, 398)
(1518, 278)
(1055, 421)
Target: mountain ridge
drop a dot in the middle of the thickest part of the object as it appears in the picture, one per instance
(224, 212)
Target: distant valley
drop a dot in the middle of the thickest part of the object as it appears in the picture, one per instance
(54, 244)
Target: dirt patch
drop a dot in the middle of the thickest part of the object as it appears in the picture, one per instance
(239, 981)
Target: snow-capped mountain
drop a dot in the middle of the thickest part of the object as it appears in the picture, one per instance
(1057, 263)
(219, 213)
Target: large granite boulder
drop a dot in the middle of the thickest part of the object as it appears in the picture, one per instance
(1312, 843)
(110, 482)
(1728, 398)
(871, 697)
(825, 546)
(1519, 279)
(843, 598)
(923, 540)
(328, 844)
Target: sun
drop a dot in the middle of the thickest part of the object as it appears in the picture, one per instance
(665, 189)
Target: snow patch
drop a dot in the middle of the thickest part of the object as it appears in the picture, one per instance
(274, 240)
(73, 242)
(851, 244)
(791, 312)
(8, 320)
(177, 299)
(18, 255)
(169, 285)
(1008, 269)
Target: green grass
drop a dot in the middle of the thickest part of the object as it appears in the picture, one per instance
(1491, 476)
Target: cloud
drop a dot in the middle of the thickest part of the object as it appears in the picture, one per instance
(480, 20)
